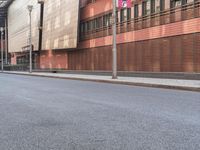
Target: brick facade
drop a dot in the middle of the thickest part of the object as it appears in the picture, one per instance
(179, 53)
(166, 41)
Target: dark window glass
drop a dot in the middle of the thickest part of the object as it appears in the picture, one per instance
(107, 19)
(87, 26)
(97, 20)
(104, 21)
(162, 5)
(184, 2)
(129, 14)
(144, 8)
(153, 6)
(176, 3)
(136, 11)
(91, 25)
(122, 15)
(82, 27)
(117, 16)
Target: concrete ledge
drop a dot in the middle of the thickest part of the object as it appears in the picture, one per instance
(148, 82)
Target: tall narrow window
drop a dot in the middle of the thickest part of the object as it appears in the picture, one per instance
(123, 15)
(129, 14)
(94, 24)
(85, 27)
(148, 7)
(98, 22)
(107, 19)
(162, 5)
(157, 7)
(91, 25)
(144, 8)
(88, 26)
(117, 17)
(82, 27)
(136, 11)
(153, 6)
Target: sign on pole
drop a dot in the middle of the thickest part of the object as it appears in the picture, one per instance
(124, 3)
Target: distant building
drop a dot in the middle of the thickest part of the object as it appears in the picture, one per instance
(152, 35)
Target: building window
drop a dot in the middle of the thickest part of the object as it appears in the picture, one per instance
(129, 14)
(117, 16)
(82, 27)
(148, 11)
(184, 2)
(98, 22)
(146, 8)
(85, 27)
(157, 6)
(107, 20)
(162, 5)
(93, 24)
(123, 15)
(88, 26)
(136, 11)
(175, 3)
(153, 5)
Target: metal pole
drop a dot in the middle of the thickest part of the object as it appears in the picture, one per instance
(30, 7)
(2, 67)
(6, 42)
(30, 45)
(114, 50)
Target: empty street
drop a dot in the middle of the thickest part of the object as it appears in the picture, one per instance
(55, 114)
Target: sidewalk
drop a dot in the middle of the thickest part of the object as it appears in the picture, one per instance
(192, 85)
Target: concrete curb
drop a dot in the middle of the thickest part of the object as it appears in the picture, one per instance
(113, 82)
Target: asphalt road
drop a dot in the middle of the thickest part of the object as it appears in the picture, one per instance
(55, 114)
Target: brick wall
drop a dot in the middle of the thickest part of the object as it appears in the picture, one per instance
(53, 59)
(179, 53)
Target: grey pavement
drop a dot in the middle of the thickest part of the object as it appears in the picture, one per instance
(57, 114)
(184, 84)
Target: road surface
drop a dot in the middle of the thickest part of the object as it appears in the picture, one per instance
(55, 114)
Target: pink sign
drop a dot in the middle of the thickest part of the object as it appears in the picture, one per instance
(124, 3)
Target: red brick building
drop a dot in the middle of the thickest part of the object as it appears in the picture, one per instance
(152, 36)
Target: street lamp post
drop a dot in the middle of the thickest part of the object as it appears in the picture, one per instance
(6, 42)
(114, 50)
(2, 61)
(30, 8)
